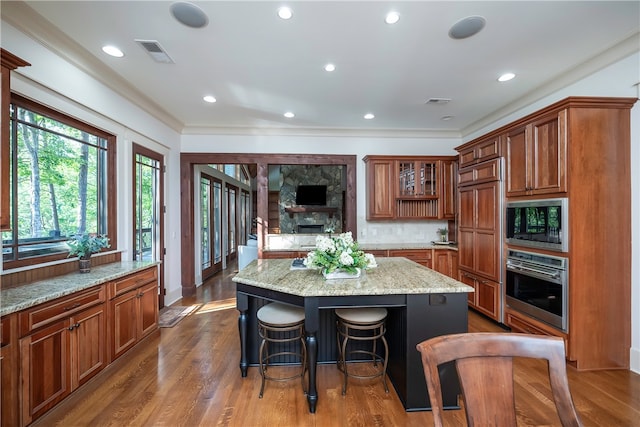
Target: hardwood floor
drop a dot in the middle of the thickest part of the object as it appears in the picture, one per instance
(189, 376)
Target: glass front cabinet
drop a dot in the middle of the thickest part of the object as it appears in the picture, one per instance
(410, 187)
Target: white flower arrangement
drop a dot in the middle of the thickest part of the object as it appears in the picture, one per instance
(339, 252)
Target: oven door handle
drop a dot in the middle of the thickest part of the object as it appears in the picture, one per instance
(555, 276)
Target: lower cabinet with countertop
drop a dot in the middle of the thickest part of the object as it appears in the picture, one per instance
(51, 347)
(133, 310)
(443, 259)
(486, 298)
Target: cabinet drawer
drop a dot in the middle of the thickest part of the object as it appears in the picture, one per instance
(43, 314)
(124, 284)
(416, 255)
(519, 323)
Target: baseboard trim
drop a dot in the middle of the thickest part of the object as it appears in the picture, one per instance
(635, 360)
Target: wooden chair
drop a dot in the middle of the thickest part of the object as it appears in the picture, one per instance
(484, 362)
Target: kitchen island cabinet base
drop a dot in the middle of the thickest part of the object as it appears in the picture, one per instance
(412, 319)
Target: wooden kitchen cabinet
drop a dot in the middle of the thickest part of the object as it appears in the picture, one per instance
(63, 345)
(486, 295)
(536, 156)
(479, 235)
(88, 344)
(410, 187)
(576, 148)
(445, 261)
(380, 188)
(9, 371)
(45, 369)
(449, 190)
(479, 225)
(133, 309)
(480, 152)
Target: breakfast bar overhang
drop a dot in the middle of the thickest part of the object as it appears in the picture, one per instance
(421, 303)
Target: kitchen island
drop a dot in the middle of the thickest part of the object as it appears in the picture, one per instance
(421, 304)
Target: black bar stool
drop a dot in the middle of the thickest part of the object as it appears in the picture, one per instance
(281, 324)
(362, 324)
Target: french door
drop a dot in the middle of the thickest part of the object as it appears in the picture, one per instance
(232, 222)
(148, 210)
(211, 230)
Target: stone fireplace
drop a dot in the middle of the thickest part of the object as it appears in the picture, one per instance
(312, 219)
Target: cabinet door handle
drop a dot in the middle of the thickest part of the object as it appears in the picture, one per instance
(71, 328)
(71, 307)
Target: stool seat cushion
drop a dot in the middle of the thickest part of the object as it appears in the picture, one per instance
(362, 316)
(280, 314)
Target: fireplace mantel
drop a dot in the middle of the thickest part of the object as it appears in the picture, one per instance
(306, 209)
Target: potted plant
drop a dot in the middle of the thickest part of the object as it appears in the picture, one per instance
(83, 245)
(339, 257)
(444, 234)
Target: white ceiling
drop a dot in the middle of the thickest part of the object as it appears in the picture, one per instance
(258, 66)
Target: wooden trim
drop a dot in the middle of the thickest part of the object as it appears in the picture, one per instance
(9, 62)
(139, 149)
(112, 202)
(187, 160)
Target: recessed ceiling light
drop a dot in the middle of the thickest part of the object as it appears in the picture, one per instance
(289, 115)
(329, 67)
(285, 13)
(189, 14)
(506, 77)
(113, 51)
(467, 27)
(369, 116)
(209, 98)
(392, 18)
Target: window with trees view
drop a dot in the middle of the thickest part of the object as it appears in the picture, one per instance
(61, 172)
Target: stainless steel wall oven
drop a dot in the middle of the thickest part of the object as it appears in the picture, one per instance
(537, 285)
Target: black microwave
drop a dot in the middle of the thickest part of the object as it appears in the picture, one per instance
(541, 223)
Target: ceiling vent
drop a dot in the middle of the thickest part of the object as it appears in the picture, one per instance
(157, 52)
(439, 101)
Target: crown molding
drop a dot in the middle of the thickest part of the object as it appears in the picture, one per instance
(326, 132)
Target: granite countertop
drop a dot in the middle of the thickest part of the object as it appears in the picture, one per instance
(25, 296)
(375, 246)
(408, 246)
(393, 276)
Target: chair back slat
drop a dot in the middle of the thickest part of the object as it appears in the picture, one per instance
(487, 387)
(484, 361)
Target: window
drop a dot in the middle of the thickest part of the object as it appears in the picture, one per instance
(61, 173)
